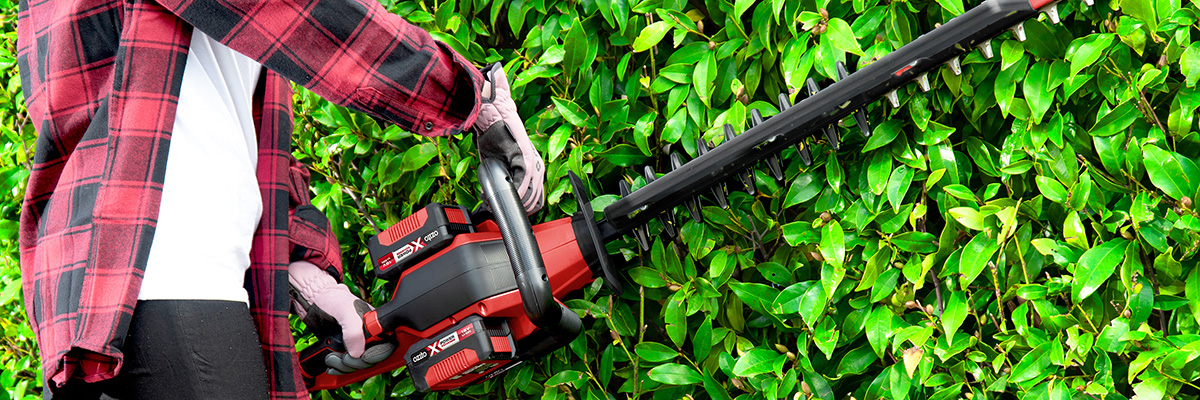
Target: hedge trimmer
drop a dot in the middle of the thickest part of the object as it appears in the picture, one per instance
(477, 293)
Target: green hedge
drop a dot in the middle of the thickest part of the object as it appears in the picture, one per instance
(1025, 229)
(20, 372)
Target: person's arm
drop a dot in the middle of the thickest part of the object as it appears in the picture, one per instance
(350, 52)
(314, 274)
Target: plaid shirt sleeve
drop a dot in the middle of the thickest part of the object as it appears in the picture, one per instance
(350, 52)
(309, 235)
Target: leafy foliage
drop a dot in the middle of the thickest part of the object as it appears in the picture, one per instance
(1025, 228)
(20, 373)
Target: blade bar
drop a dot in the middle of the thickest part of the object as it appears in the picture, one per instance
(840, 99)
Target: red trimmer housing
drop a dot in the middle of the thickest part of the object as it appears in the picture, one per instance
(472, 301)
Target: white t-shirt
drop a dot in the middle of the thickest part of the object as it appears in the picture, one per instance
(211, 204)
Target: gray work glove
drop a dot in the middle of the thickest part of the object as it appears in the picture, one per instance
(500, 134)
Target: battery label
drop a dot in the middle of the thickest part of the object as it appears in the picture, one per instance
(444, 343)
(406, 251)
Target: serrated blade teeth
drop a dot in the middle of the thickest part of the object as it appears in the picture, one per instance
(743, 176)
(784, 102)
(755, 117)
(841, 70)
(831, 136)
(747, 182)
(805, 154)
(667, 217)
(693, 207)
(893, 98)
(955, 67)
(693, 203)
(812, 87)
(860, 117)
(923, 82)
(986, 49)
(721, 195)
(1018, 31)
(1089, 2)
(639, 233)
(1052, 12)
(776, 167)
(642, 237)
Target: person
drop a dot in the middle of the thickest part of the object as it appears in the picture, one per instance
(166, 232)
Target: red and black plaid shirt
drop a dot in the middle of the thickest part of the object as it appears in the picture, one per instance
(101, 80)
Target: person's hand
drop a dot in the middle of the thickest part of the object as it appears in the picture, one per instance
(500, 134)
(328, 308)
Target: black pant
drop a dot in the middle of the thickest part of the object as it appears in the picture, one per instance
(183, 349)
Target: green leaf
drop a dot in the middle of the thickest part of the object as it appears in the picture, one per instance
(825, 337)
(842, 36)
(955, 7)
(960, 192)
(1032, 364)
(676, 374)
(568, 376)
(804, 187)
(655, 352)
(1140, 9)
(1073, 231)
(883, 134)
(754, 362)
(704, 77)
(1084, 51)
(857, 361)
(740, 7)
(833, 172)
(885, 285)
(647, 277)
(878, 171)
(975, 257)
(558, 141)
(418, 157)
(1036, 88)
(702, 341)
(1011, 51)
(675, 317)
(1189, 64)
(915, 242)
(955, 314)
(812, 304)
(675, 127)
(576, 46)
(1167, 173)
(898, 184)
(714, 389)
(1116, 120)
(1192, 291)
(1141, 299)
(879, 329)
(833, 244)
(1050, 188)
(623, 155)
(651, 35)
(969, 218)
(756, 295)
(570, 111)
(875, 265)
(1096, 266)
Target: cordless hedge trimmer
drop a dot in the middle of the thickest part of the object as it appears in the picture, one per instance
(477, 293)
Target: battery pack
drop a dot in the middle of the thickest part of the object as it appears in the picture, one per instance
(419, 235)
(470, 351)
